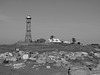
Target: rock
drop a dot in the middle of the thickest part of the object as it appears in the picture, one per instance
(48, 67)
(1, 60)
(25, 56)
(58, 64)
(79, 72)
(18, 65)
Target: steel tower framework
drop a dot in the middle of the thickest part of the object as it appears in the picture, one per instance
(28, 37)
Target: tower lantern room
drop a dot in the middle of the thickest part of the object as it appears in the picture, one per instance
(28, 37)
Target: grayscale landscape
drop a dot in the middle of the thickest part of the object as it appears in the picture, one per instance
(49, 37)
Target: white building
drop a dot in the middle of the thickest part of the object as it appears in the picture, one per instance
(67, 42)
(55, 40)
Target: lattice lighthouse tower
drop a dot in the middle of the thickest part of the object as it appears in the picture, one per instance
(28, 37)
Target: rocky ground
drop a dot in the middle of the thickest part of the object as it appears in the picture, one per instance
(71, 60)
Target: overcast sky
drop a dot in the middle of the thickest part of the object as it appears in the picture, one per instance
(63, 18)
